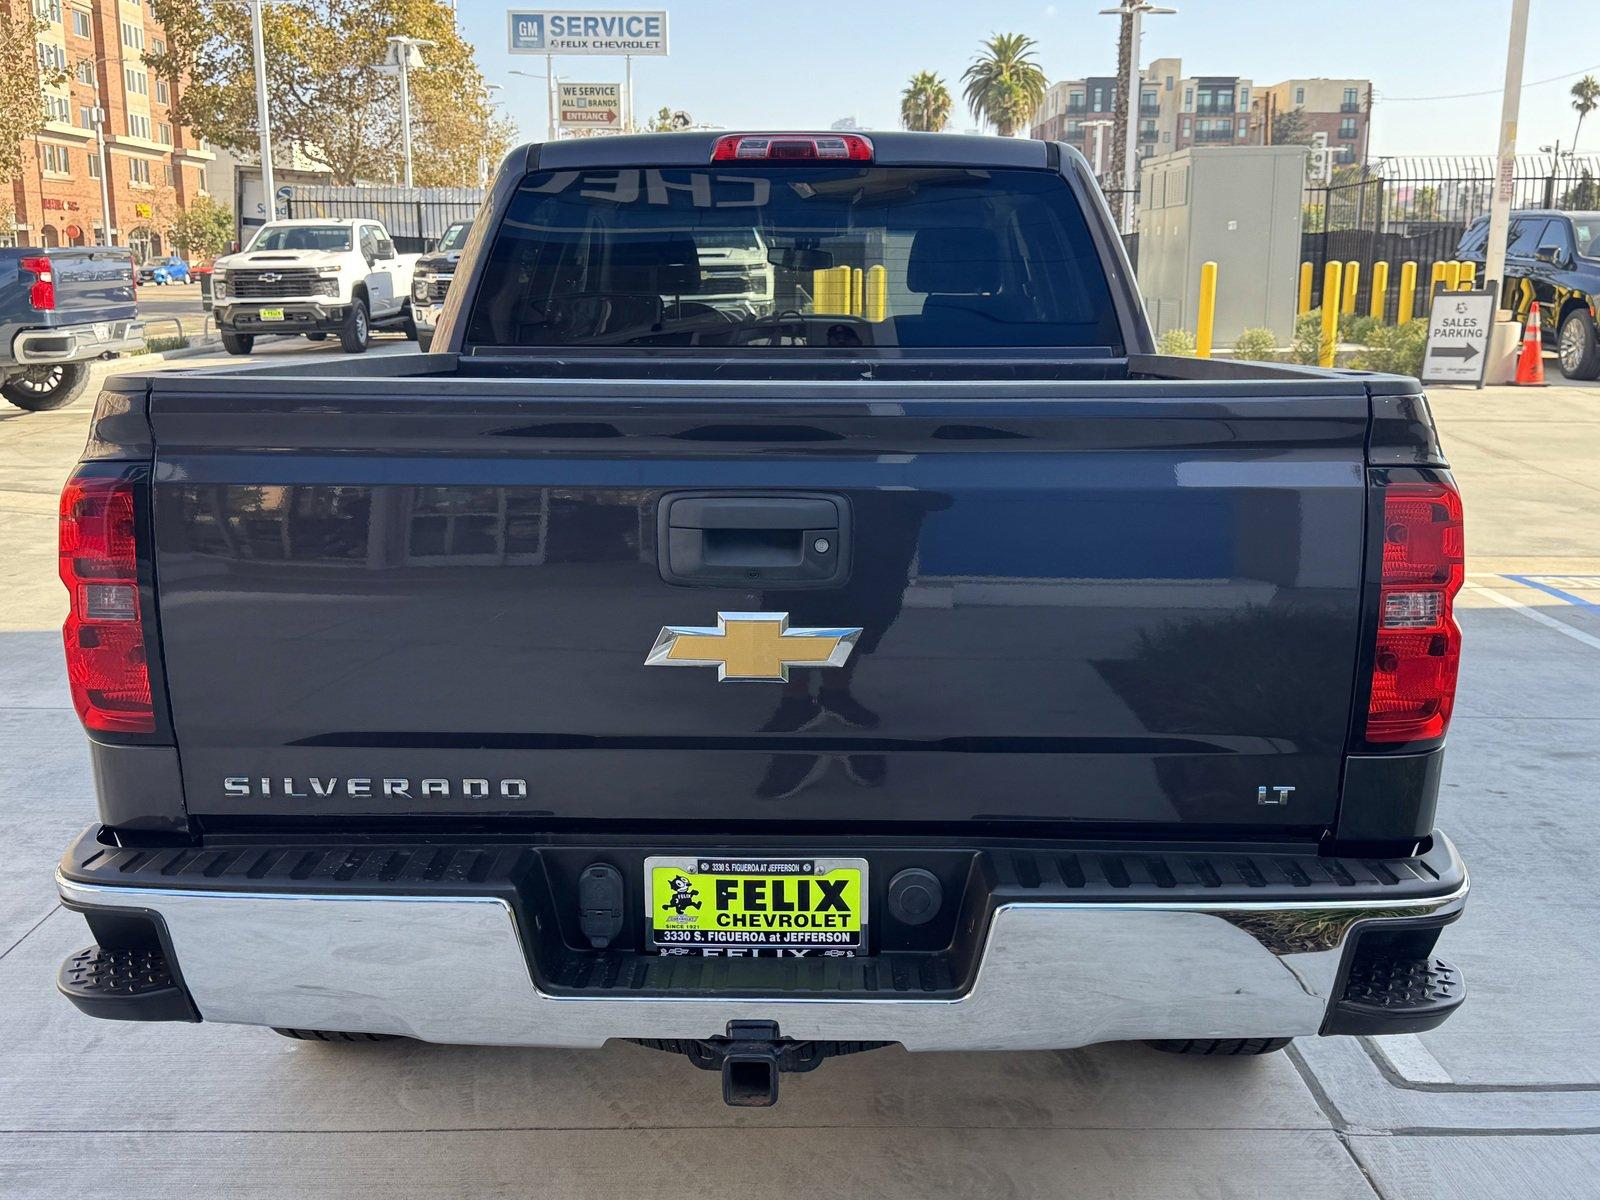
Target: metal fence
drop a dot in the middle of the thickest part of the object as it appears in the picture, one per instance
(414, 217)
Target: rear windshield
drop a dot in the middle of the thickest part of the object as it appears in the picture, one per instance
(758, 257)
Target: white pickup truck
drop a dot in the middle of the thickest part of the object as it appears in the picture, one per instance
(313, 278)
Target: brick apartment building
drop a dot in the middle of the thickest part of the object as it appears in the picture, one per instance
(154, 167)
(1178, 110)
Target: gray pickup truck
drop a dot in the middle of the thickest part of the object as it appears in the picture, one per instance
(921, 661)
(60, 308)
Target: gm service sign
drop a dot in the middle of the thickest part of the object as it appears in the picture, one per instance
(558, 31)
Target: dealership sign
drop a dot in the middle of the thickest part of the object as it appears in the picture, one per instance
(563, 31)
(590, 105)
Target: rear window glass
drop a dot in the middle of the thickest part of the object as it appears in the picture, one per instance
(757, 257)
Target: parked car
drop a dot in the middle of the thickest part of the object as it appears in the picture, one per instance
(430, 282)
(957, 673)
(313, 278)
(171, 269)
(1552, 257)
(60, 308)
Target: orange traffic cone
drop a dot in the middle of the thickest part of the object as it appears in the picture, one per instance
(1530, 363)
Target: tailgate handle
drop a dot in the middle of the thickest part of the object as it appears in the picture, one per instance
(721, 540)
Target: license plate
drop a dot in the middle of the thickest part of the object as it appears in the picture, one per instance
(759, 906)
(102, 331)
(272, 314)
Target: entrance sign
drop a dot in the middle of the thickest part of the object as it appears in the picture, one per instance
(1458, 337)
(590, 105)
(567, 31)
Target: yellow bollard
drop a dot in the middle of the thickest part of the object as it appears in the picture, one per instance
(857, 286)
(1452, 275)
(1352, 282)
(1329, 341)
(819, 289)
(1305, 290)
(1378, 306)
(877, 293)
(1208, 310)
(1469, 276)
(1408, 293)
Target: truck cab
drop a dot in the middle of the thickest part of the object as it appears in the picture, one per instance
(312, 278)
(430, 283)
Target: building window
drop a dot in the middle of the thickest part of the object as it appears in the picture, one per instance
(136, 81)
(84, 71)
(132, 35)
(1244, 99)
(157, 46)
(139, 171)
(55, 160)
(200, 175)
(80, 23)
(164, 134)
(51, 57)
(1347, 127)
(139, 126)
(1188, 99)
(48, 10)
(85, 117)
(1169, 83)
(57, 109)
(1299, 95)
(166, 173)
(163, 95)
(94, 166)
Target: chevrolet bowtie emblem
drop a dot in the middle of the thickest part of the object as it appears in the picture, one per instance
(751, 646)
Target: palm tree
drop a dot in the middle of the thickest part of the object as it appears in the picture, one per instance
(925, 104)
(1004, 85)
(1585, 98)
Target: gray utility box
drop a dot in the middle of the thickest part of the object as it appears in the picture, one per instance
(1237, 206)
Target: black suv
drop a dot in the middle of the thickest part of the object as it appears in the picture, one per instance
(1554, 258)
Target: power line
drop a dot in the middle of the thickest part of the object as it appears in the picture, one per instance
(1382, 99)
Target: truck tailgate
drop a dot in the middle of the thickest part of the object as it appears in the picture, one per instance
(93, 283)
(1127, 603)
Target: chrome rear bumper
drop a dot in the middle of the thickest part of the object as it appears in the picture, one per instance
(73, 343)
(454, 969)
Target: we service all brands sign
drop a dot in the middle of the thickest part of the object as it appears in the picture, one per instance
(565, 31)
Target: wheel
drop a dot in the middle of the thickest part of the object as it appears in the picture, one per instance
(238, 343)
(316, 337)
(424, 340)
(409, 325)
(1579, 347)
(1222, 1047)
(41, 388)
(332, 1035)
(355, 335)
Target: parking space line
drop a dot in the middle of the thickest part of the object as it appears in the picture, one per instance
(1533, 614)
(1530, 581)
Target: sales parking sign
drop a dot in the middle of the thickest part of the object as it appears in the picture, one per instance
(1458, 337)
(563, 31)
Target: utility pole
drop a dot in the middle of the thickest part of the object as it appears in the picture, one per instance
(263, 120)
(1494, 266)
(405, 53)
(1130, 90)
(99, 115)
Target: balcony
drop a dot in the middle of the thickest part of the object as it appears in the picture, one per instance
(1076, 110)
(1213, 135)
(1350, 106)
(1148, 135)
(1150, 110)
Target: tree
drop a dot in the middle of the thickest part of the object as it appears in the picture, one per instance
(21, 90)
(925, 104)
(1004, 84)
(1582, 196)
(326, 87)
(1291, 128)
(1585, 99)
(669, 120)
(204, 229)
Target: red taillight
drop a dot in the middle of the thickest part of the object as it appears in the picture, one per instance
(42, 292)
(106, 663)
(792, 147)
(1419, 643)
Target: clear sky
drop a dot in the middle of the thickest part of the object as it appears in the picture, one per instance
(757, 64)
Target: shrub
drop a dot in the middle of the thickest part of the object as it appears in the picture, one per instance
(1354, 327)
(1396, 349)
(155, 345)
(1307, 338)
(1179, 342)
(1256, 345)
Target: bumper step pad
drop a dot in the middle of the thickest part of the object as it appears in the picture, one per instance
(124, 985)
(1385, 995)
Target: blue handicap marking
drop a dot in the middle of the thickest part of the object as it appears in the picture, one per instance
(1555, 585)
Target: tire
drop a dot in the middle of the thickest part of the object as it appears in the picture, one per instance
(424, 340)
(355, 335)
(1222, 1047)
(42, 388)
(1578, 346)
(409, 325)
(316, 337)
(333, 1035)
(238, 343)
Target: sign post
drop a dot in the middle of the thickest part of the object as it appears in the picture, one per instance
(1458, 337)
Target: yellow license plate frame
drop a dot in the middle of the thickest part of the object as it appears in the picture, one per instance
(767, 905)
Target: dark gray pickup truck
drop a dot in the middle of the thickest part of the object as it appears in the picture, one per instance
(923, 661)
(59, 308)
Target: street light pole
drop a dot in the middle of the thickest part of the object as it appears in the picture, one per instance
(1132, 89)
(489, 89)
(263, 120)
(105, 188)
(552, 81)
(1494, 254)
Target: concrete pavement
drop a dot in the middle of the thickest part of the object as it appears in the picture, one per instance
(1503, 1100)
